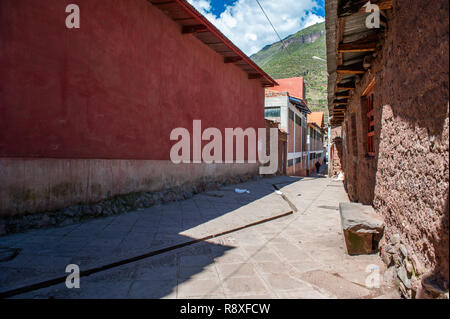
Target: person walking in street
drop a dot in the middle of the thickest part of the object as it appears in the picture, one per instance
(317, 166)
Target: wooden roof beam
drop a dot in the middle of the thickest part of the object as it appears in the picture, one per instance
(357, 7)
(232, 59)
(356, 68)
(252, 76)
(189, 29)
(346, 86)
(366, 44)
(340, 101)
(344, 94)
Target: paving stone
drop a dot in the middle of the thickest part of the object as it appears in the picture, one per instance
(152, 289)
(304, 293)
(195, 260)
(282, 281)
(244, 285)
(236, 270)
(256, 296)
(116, 289)
(264, 256)
(200, 287)
(335, 285)
(208, 272)
(298, 256)
(272, 267)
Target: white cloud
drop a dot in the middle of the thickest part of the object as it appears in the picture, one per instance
(247, 27)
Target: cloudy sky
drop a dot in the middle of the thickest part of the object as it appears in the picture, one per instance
(243, 22)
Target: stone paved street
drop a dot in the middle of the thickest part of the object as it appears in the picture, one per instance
(297, 256)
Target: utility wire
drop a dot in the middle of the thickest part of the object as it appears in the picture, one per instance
(284, 46)
(281, 40)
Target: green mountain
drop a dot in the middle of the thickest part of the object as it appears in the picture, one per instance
(296, 60)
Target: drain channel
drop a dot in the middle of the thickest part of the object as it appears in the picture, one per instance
(84, 273)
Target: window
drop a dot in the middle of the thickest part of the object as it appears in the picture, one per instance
(272, 112)
(291, 115)
(298, 120)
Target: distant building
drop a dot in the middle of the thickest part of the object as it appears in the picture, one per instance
(282, 146)
(294, 86)
(316, 134)
(285, 104)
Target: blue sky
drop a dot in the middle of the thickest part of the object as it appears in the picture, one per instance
(218, 6)
(243, 22)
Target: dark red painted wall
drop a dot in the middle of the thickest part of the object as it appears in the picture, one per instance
(116, 87)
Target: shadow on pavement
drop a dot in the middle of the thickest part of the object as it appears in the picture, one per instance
(45, 253)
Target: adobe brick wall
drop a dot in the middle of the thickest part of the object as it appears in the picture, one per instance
(86, 114)
(336, 150)
(408, 180)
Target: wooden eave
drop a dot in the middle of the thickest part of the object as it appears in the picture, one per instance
(194, 24)
(354, 42)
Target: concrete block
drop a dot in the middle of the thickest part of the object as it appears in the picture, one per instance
(363, 229)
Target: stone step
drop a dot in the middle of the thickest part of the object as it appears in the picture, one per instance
(362, 228)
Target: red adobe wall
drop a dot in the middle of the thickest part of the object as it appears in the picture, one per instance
(407, 181)
(86, 114)
(113, 89)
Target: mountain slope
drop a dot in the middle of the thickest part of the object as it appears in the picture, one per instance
(296, 60)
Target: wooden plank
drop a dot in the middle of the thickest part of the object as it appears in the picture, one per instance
(356, 68)
(344, 94)
(346, 86)
(160, 3)
(193, 29)
(340, 37)
(184, 19)
(369, 87)
(357, 6)
(366, 44)
(232, 59)
(252, 76)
